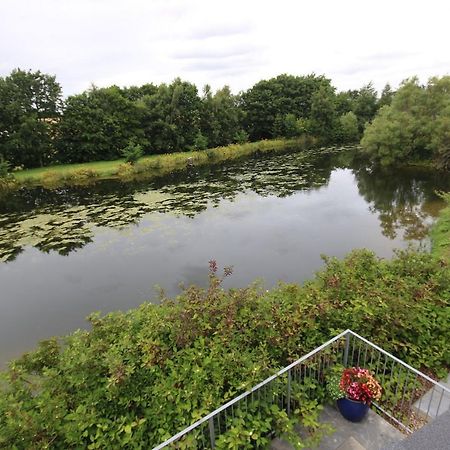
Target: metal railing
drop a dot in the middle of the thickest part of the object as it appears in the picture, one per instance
(410, 398)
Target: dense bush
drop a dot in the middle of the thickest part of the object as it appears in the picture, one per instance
(136, 378)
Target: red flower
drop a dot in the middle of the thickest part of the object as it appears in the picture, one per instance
(360, 385)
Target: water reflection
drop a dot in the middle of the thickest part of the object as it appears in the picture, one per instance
(64, 220)
(404, 200)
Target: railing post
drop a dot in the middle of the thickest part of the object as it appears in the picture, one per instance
(347, 346)
(212, 432)
(289, 393)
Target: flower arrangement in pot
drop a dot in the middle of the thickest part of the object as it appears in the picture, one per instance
(353, 389)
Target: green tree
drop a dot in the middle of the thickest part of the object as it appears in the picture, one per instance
(323, 113)
(285, 94)
(172, 116)
(365, 105)
(200, 142)
(414, 127)
(345, 102)
(30, 105)
(98, 124)
(349, 127)
(220, 116)
(386, 96)
(287, 126)
(241, 137)
(135, 93)
(132, 152)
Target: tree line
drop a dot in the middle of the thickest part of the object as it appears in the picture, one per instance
(414, 127)
(38, 127)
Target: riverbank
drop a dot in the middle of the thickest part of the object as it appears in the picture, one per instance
(148, 166)
(440, 234)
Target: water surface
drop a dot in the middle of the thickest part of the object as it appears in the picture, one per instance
(68, 252)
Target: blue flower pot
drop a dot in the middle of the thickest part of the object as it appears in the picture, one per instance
(352, 410)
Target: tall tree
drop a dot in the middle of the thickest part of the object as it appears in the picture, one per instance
(30, 105)
(386, 96)
(285, 94)
(172, 117)
(348, 127)
(220, 116)
(98, 124)
(323, 112)
(365, 105)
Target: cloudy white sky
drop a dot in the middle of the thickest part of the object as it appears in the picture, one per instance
(234, 42)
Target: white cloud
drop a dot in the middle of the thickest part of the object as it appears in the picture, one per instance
(228, 42)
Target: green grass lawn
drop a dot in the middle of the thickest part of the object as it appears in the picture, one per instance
(104, 169)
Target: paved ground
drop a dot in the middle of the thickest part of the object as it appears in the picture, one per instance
(435, 402)
(434, 436)
(373, 433)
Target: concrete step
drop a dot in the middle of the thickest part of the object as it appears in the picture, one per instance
(373, 433)
(435, 402)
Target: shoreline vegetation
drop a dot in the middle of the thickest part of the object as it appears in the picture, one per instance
(440, 233)
(147, 167)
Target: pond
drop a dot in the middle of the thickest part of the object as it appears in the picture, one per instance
(65, 253)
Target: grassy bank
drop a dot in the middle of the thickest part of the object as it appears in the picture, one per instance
(149, 166)
(440, 234)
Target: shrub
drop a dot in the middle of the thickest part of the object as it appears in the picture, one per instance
(132, 152)
(200, 142)
(51, 178)
(241, 137)
(125, 170)
(4, 168)
(81, 176)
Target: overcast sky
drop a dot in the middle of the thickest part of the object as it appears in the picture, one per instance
(238, 43)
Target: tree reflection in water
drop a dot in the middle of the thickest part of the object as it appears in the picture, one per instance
(404, 199)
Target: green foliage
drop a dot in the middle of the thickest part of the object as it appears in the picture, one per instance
(132, 152)
(349, 127)
(220, 116)
(241, 137)
(30, 105)
(365, 105)
(171, 117)
(200, 142)
(137, 378)
(98, 124)
(323, 113)
(440, 233)
(386, 96)
(287, 126)
(333, 390)
(285, 94)
(415, 126)
(4, 168)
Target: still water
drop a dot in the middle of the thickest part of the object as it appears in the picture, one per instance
(66, 253)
